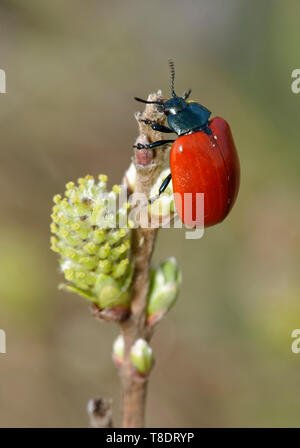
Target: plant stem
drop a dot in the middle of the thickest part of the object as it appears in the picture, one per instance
(134, 386)
(100, 414)
(148, 164)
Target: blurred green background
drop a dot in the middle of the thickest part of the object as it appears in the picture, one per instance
(223, 355)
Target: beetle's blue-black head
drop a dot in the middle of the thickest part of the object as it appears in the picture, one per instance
(174, 105)
(183, 117)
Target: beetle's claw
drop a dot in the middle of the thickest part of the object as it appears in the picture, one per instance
(151, 200)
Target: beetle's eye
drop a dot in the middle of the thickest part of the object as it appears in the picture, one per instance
(167, 110)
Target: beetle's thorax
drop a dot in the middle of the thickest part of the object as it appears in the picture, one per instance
(185, 117)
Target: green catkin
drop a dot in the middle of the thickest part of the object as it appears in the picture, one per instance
(94, 253)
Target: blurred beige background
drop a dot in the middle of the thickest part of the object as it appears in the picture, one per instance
(223, 355)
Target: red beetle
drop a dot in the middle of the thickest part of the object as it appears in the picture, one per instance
(203, 159)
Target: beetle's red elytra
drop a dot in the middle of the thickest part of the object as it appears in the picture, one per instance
(209, 164)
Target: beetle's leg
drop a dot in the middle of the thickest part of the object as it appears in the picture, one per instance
(153, 144)
(158, 127)
(162, 188)
(207, 129)
(165, 183)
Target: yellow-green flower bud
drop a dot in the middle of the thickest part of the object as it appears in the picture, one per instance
(94, 251)
(164, 288)
(141, 356)
(118, 350)
(111, 292)
(130, 177)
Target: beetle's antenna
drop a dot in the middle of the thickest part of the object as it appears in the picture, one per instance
(187, 94)
(172, 71)
(148, 102)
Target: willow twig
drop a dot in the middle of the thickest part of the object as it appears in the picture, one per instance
(148, 164)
